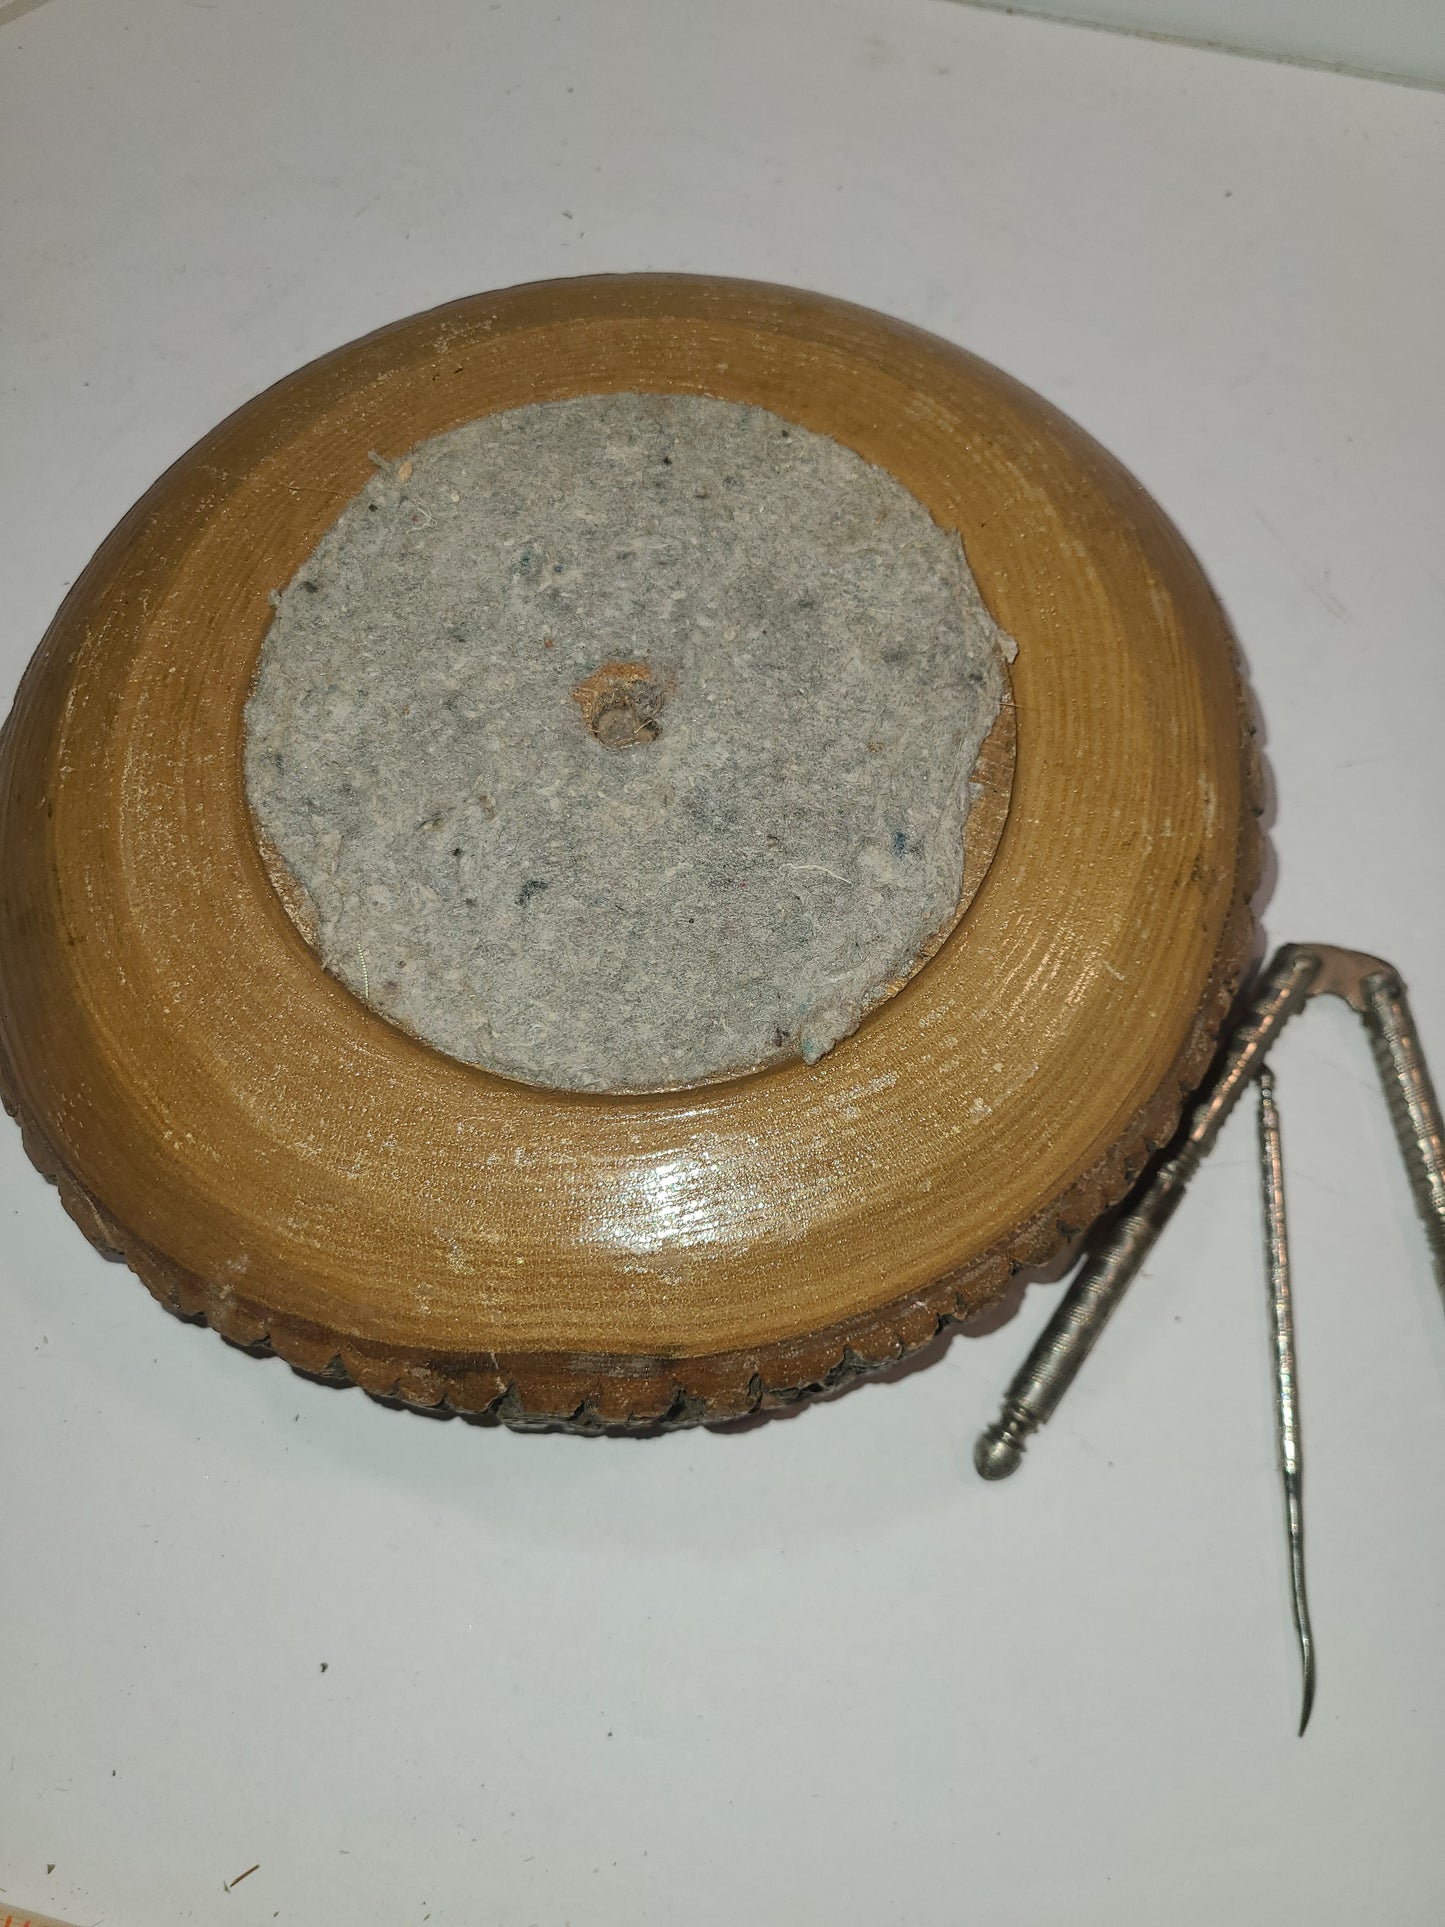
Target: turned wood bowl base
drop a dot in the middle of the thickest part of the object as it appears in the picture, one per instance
(634, 1227)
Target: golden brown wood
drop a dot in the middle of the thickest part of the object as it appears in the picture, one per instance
(272, 1157)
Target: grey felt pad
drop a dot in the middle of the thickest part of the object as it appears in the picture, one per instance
(621, 742)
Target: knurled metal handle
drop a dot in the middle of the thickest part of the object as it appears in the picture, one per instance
(1413, 1105)
(1091, 1300)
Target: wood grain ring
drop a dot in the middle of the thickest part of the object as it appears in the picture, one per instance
(273, 1158)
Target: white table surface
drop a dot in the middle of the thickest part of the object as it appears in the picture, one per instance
(814, 1671)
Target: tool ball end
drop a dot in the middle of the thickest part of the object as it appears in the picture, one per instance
(999, 1451)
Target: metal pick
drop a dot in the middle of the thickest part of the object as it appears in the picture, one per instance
(1286, 1384)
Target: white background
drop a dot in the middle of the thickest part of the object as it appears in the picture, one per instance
(814, 1671)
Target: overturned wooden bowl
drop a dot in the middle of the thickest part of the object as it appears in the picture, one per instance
(275, 1159)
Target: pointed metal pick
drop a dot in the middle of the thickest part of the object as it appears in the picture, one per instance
(1291, 1463)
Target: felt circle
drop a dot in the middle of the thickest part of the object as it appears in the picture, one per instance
(273, 1158)
(626, 742)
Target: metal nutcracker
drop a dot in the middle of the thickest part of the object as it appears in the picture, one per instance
(1298, 972)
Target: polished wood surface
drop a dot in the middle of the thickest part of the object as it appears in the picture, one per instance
(271, 1156)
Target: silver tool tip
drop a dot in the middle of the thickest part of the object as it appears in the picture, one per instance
(1309, 1695)
(999, 1451)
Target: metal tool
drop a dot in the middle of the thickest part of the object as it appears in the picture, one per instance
(1296, 973)
(1291, 1456)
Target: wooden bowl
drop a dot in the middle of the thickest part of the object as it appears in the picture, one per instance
(274, 1159)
